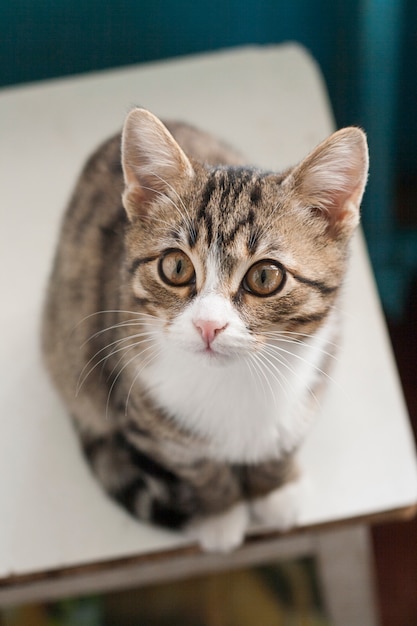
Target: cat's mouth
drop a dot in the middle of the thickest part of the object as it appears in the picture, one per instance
(214, 356)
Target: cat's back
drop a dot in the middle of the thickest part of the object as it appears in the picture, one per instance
(86, 264)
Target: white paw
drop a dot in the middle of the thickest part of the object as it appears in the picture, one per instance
(281, 507)
(223, 532)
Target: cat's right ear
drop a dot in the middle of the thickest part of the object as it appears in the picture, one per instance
(153, 163)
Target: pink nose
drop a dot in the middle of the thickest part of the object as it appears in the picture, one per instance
(209, 329)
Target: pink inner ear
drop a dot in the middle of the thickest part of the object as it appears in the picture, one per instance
(331, 180)
(340, 209)
(153, 162)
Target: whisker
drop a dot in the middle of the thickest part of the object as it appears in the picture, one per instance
(303, 344)
(260, 374)
(252, 366)
(177, 194)
(276, 373)
(148, 361)
(125, 324)
(124, 351)
(120, 311)
(185, 216)
(300, 358)
(278, 333)
(120, 372)
(284, 363)
(261, 365)
(318, 369)
(82, 379)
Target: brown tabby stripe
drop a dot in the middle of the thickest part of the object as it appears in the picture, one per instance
(144, 462)
(316, 284)
(206, 195)
(209, 228)
(169, 516)
(142, 301)
(134, 428)
(128, 495)
(231, 183)
(256, 193)
(226, 240)
(308, 319)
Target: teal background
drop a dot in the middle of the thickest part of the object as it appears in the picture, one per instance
(367, 50)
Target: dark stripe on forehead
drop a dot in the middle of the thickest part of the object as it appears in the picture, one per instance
(203, 215)
(256, 194)
(206, 195)
(226, 184)
(209, 227)
(234, 181)
(316, 284)
(228, 238)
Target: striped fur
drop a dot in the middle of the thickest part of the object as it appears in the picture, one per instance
(190, 400)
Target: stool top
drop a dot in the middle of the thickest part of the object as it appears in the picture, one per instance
(271, 104)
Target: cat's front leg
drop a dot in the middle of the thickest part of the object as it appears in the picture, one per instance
(222, 532)
(275, 491)
(280, 508)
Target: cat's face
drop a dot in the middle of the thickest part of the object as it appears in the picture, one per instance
(225, 258)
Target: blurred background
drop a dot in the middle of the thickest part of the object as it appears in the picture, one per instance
(367, 52)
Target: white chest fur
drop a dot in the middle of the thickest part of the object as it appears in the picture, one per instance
(246, 410)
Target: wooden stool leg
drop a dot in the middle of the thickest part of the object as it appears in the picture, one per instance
(346, 573)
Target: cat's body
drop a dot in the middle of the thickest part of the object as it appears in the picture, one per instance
(189, 332)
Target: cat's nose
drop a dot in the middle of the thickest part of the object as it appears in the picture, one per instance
(209, 329)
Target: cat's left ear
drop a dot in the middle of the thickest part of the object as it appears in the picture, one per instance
(154, 165)
(331, 180)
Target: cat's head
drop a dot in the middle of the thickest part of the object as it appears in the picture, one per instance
(225, 255)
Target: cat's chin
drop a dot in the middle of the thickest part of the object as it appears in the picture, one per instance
(214, 358)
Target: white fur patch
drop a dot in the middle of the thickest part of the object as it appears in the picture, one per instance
(280, 508)
(245, 416)
(221, 533)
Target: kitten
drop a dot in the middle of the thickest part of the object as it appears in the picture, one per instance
(190, 319)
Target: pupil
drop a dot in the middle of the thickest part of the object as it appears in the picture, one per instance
(179, 267)
(263, 277)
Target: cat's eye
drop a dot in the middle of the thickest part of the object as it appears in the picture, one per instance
(176, 269)
(264, 278)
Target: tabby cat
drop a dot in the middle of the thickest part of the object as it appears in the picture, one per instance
(191, 316)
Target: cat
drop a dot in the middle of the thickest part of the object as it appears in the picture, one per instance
(191, 318)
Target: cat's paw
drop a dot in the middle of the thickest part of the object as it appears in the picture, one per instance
(223, 532)
(281, 507)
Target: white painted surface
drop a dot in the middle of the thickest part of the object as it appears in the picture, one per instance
(270, 103)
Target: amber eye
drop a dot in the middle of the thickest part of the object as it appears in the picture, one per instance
(175, 268)
(265, 278)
